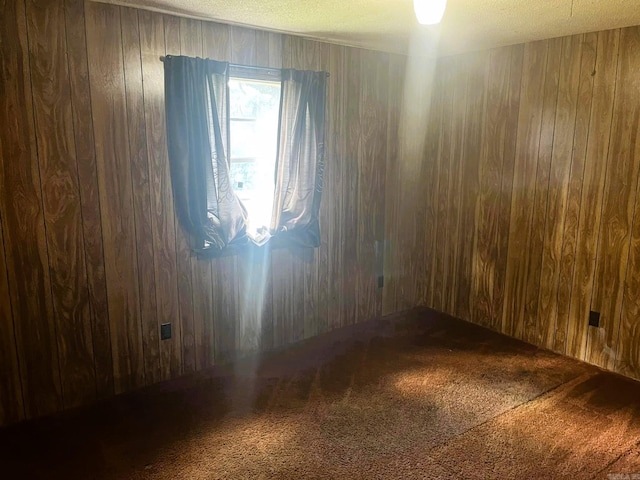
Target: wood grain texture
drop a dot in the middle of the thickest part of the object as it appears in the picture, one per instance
(454, 207)
(23, 222)
(436, 171)
(350, 194)
(502, 184)
(604, 86)
(506, 187)
(472, 145)
(626, 337)
(548, 193)
(618, 205)
(108, 96)
(572, 216)
(334, 178)
(563, 143)
(496, 85)
(96, 132)
(545, 151)
(391, 261)
(61, 199)
(371, 169)
(11, 403)
(522, 199)
(141, 192)
(89, 196)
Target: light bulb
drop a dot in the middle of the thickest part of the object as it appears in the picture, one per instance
(429, 12)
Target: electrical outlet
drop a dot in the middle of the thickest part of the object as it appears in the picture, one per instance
(594, 319)
(165, 331)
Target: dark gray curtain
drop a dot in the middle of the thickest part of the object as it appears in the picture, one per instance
(300, 160)
(196, 107)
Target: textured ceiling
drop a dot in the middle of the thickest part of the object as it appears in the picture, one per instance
(390, 25)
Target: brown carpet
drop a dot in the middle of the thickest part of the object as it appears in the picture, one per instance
(420, 395)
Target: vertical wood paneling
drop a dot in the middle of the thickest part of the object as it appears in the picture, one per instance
(502, 184)
(550, 157)
(488, 203)
(572, 218)
(477, 68)
(371, 165)
(335, 176)
(89, 195)
(506, 187)
(437, 176)
(61, 199)
(392, 200)
(522, 199)
(23, 222)
(141, 192)
(11, 404)
(592, 190)
(108, 97)
(545, 151)
(102, 125)
(352, 126)
(618, 204)
(563, 143)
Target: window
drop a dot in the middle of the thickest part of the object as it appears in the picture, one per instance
(245, 138)
(254, 105)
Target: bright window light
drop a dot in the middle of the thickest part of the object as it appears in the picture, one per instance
(429, 12)
(254, 106)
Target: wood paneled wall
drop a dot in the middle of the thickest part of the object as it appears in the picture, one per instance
(92, 259)
(497, 186)
(530, 216)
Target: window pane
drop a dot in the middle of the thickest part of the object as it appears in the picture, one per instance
(254, 108)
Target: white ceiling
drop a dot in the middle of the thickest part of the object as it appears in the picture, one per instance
(389, 25)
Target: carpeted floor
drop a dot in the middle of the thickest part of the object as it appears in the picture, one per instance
(417, 396)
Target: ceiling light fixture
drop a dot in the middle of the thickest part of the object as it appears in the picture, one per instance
(429, 12)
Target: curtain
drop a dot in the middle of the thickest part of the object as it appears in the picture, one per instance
(300, 158)
(196, 106)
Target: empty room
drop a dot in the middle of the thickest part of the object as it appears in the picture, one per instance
(294, 239)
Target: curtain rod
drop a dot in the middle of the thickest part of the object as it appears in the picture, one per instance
(253, 67)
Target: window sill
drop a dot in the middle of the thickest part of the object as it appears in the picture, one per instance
(284, 240)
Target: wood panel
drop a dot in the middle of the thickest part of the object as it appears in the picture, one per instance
(548, 190)
(545, 151)
(496, 85)
(500, 185)
(141, 192)
(522, 199)
(23, 223)
(371, 170)
(563, 143)
(11, 404)
(572, 216)
(108, 97)
(592, 190)
(94, 260)
(618, 205)
(472, 144)
(506, 186)
(89, 195)
(61, 199)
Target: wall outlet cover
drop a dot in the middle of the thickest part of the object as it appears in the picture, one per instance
(165, 331)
